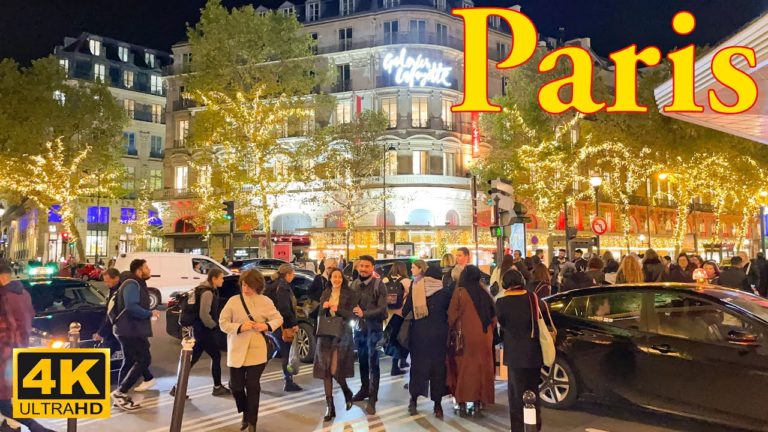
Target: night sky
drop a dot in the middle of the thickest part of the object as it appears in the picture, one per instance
(30, 29)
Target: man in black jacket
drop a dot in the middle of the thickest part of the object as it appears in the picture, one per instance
(112, 281)
(371, 313)
(761, 264)
(579, 261)
(735, 277)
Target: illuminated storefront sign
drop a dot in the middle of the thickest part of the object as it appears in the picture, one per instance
(416, 71)
(475, 135)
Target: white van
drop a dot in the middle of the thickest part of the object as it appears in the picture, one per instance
(171, 272)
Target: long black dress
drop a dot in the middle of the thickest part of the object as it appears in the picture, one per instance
(345, 363)
(428, 340)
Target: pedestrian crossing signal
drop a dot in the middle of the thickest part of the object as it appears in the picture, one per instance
(229, 210)
(497, 231)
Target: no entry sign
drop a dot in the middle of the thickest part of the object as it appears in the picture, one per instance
(599, 225)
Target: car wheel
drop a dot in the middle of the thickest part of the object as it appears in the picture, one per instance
(306, 342)
(154, 298)
(559, 387)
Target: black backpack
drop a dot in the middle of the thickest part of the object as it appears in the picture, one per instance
(116, 304)
(395, 293)
(189, 306)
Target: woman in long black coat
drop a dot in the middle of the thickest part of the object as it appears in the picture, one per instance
(428, 304)
(335, 356)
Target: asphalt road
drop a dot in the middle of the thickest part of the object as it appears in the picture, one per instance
(303, 411)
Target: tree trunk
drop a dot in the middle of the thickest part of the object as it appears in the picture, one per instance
(68, 219)
(266, 216)
(680, 222)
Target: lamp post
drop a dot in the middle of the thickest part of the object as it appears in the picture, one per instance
(51, 233)
(596, 181)
(648, 210)
(763, 195)
(2, 237)
(387, 154)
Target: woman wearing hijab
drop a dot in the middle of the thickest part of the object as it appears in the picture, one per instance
(471, 369)
(428, 302)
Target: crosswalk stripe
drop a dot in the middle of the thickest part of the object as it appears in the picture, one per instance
(212, 424)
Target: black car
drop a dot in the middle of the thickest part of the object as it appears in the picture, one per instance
(383, 266)
(696, 350)
(265, 265)
(60, 301)
(301, 287)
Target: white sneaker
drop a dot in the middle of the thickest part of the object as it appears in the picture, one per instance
(146, 385)
(125, 403)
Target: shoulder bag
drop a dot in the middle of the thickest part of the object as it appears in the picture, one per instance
(404, 333)
(546, 339)
(456, 338)
(329, 326)
(271, 345)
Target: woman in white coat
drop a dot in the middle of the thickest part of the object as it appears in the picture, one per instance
(245, 319)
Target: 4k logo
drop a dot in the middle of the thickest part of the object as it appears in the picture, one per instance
(61, 383)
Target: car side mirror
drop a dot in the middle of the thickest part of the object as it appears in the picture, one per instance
(742, 338)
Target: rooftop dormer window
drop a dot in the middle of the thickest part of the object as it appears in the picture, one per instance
(313, 11)
(122, 52)
(149, 59)
(388, 4)
(439, 4)
(288, 11)
(346, 7)
(95, 46)
(495, 22)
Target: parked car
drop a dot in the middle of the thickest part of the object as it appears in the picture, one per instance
(60, 301)
(697, 350)
(171, 272)
(266, 266)
(307, 320)
(383, 266)
(88, 272)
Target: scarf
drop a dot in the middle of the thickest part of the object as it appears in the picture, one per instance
(456, 272)
(470, 281)
(422, 289)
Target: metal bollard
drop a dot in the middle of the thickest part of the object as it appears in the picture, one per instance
(74, 342)
(185, 364)
(529, 412)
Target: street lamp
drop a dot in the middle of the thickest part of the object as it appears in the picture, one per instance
(387, 154)
(51, 239)
(596, 181)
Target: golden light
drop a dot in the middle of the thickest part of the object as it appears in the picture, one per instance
(595, 180)
(663, 176)
(764, 194)
(57, 344)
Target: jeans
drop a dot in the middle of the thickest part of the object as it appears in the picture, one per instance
(518, 381)
(6, 409)
(285, 353)
(368, 357)
(245, 383)
(205, 342)
(136, 362)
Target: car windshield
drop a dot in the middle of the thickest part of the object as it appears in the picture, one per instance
(754, 305)
(51, 296)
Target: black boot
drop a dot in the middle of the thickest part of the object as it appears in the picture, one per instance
(361, 395)
(330, 412)
(412, 407)
(347, 396)
(371, 407)
(396, 370)
(438, 410)
(462, 409)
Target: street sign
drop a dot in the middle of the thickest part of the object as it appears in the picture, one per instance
(504, 190)
(599, 225)
(534, 240)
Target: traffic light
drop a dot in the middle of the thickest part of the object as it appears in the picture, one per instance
(497, 231)
(229, 210)
(65, 237)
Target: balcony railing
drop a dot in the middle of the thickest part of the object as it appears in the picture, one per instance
(179, 143)
(131, 151)
(168, 194)
(425, 38)
(342, 86)
(182, 104)
(156, 154)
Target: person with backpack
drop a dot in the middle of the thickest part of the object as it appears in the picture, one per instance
(132, 324)
(16, 314)
(282, 296)
(370, 312)
(398, 286)
(200, 310)
(111, 279)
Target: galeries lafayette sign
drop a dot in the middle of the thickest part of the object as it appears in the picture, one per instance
(416, 71)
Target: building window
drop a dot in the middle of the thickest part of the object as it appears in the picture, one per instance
(64, 63)
(313, 11)
(405, 163)
(129, 106)
(60, 97)
(419, 112)
(449, 164)
(386, 4)
(156, 146)
(186, 58)
(390, 165)
(156, 84)
(127, 215)
(346, 7)
(502, 50)
(130, 179)
(447, 115)
(128, 79)
(156, 179)
(288, 11)
(418, 30)
(504, 84)
(129, 140)
(182, 130)
(468, 4)
(420, 161)
(345, 39)
(96, 242)
(442, 34)
(439, 4)
(149, 59)
(343, 112)
(436, 163)
(99, 72)
(494, 21)
(95, 47)
(157, 113)
(180, 180)
(390, 31)
(263, 13)
(343, 78)
(122, 52)
(97, 216)
(389, 108)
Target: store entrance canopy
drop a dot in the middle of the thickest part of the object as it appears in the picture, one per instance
(752, 124)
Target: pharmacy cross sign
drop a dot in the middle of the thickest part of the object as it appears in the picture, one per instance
(416, 71)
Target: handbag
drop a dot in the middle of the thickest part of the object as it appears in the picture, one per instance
(269, 341)
(546, 338)
(404, 335)
(329, 326)
(456, 339)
